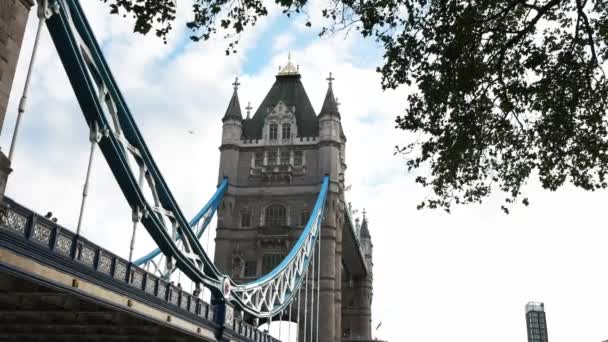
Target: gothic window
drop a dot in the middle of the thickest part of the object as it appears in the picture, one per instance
(273, 157)
(273, 132)
(304, 217)
(298, 158)
(250, 269)
(276, 215)
(285, 157)
(286, 131)
(245, 219)
(270, 261)
(259, 158)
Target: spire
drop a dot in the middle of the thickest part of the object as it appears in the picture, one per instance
(234, 107)
(364, 234)
(330, 105)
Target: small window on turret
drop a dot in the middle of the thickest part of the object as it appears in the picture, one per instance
(286, 132)
(273, 132)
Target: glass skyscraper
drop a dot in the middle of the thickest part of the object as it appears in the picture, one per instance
(536, 322)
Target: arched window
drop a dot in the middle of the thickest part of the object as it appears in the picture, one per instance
(273, 132)
(276, 215)
(286, 131)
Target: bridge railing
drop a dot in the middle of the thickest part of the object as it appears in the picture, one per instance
(47, 242)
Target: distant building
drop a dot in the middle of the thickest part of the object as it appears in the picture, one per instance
(536, 322)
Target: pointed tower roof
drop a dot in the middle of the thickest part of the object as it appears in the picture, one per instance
(289, 89)
(364, 234)
(234, 107)
(330, 104)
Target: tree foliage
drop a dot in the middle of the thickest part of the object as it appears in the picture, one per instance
(501, 90)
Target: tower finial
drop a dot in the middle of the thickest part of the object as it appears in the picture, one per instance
(248, 109)
(236, 83)
(330, 79)
(364, 214)
(289, 68)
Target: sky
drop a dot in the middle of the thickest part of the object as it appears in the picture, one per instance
(464, 276)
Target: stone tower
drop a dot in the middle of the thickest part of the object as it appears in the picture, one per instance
(358, 292)
(275, 161)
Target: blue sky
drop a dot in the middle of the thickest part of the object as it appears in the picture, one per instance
(438, 277)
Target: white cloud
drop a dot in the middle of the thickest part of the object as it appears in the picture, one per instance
(459, 277)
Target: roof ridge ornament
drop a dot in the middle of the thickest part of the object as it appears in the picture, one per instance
(248, 109)
(330, 79)
(289, 69)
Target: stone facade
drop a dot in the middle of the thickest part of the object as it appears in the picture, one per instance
(275, 162)
(13, 18)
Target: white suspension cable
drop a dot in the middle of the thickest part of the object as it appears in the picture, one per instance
(312, 293)
(298, 319)
(280, 323)
(207, 250)
(306, 303)
(137, 214)
(290, 323)
(28, 77)
(318, 280)
(94, 137)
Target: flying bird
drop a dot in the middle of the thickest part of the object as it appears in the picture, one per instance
(191, 132)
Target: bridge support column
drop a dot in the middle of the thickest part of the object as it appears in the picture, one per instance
(328, 314)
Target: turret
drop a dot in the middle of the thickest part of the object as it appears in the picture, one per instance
(366, 243)
(232, 130)
(331, 137)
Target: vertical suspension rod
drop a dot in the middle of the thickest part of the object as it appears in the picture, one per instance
(306, 303)
(298, 319)
(312, 293)
(137, 214)
(280, 323)
(94, 138)
(289, 320)
(318, 279)
(28, 78)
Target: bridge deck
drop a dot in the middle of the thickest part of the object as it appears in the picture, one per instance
(55, 283)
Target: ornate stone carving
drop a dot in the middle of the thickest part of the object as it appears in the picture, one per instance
(105, 264)
(41, 234)
(174, 296)
(14, 221)
(137, 279)
(63, 244)
(150, 284)
(162, 290)
(120, 271)
(87, 255)
(184, 302)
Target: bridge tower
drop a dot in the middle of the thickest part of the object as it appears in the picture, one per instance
(275, 161)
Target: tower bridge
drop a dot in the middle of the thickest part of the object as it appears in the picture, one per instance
(287, 247)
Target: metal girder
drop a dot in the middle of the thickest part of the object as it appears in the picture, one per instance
(142, 184)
